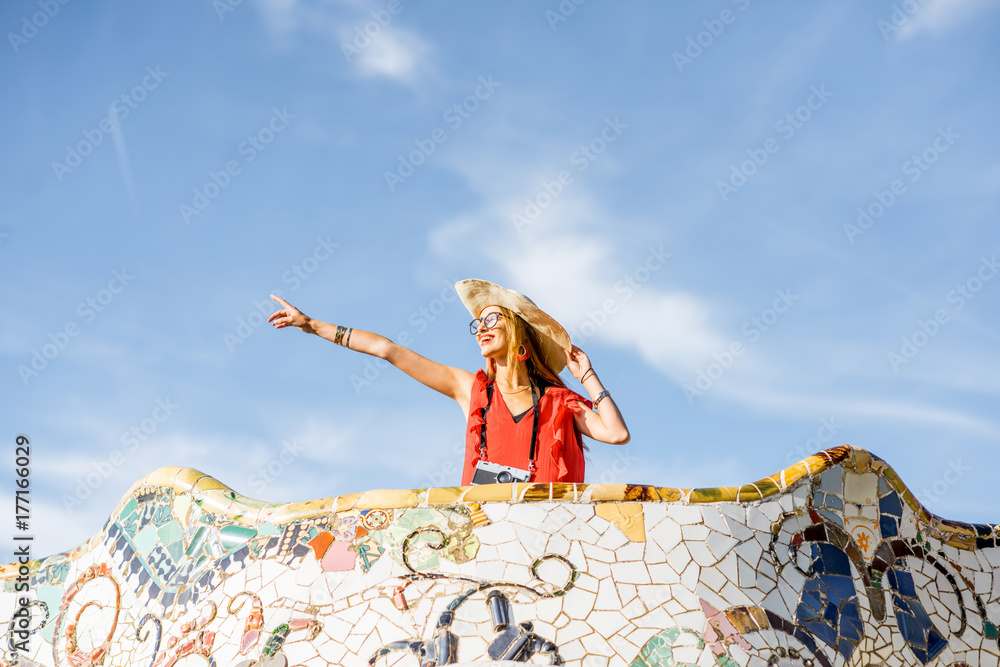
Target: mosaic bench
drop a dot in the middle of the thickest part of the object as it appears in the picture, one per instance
(831, 561)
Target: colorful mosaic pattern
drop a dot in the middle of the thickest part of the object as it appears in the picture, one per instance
(829, 562)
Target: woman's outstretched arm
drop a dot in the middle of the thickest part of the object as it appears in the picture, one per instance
(452, 382)
(606, 425)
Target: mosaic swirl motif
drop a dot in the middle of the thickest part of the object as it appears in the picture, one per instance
(829, 562)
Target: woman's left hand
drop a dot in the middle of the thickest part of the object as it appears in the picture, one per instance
(577, 362)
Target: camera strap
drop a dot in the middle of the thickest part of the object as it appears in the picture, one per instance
(534, 424)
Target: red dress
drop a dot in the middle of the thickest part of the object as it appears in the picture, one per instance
(558, 448)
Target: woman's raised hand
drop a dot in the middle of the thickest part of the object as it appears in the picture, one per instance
(577, 362)
(290, 316)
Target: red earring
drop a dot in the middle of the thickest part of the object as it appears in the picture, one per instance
(523, 353)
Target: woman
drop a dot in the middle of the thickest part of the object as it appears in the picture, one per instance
(537, 423)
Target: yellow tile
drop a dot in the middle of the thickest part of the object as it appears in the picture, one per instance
(627, 516)
(209, 484)
(716, 494)
(748, 492)
(668, 495)
(387, 499)
(444, 496)
(534, 492)
(488, 492)
(605, 492)
(184, 479)
(562, 491)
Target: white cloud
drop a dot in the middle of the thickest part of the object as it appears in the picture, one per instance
(394, 53)
(571, 260)
(370, 40)
(939, 16)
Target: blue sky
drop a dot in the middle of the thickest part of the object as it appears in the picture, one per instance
(772, 226)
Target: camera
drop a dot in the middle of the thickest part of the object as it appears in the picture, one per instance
(494, 473)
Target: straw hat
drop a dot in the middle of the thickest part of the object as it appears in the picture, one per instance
(478, 294)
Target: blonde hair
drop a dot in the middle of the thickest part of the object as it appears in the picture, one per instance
(521, 335)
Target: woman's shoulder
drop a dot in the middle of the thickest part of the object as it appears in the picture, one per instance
(565, 396)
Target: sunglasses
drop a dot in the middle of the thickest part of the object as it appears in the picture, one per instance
(490, 321)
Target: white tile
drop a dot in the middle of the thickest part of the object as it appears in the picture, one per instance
(685, 514)
(572, 651)
(756, 520)
(689, 577)
(497, 533)
(526, 514)
(695, 532)
(679, 558)
(613, 539)
(513, 552)
(632, 572)
(607, 596)
(666, 534)
(579, 603)
(711, 578)
(576, 629)
(631, 551)
(578, 530)
(720, 544)
(713, 519)
(596, 645)
(736, 596)
(607, 623)
(597, 553)
(587, 582)
(662, 573)
(535, 542)
(495, 511)
(700, 553)
(738, 529)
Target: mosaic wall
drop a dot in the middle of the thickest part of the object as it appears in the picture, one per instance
(829, 562)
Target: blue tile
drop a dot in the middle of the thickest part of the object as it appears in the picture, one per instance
(887, 525)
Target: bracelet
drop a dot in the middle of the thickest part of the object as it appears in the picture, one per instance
(339, 335)
(600, 397)
(589, 370)
(347, 339)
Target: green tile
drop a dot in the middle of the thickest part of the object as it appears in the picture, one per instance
(170, 532)
(146, 539)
